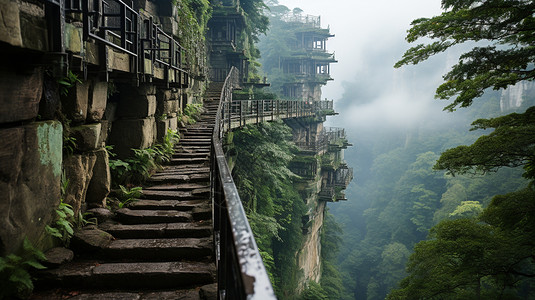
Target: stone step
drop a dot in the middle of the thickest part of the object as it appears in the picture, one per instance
(160, 249)
(202, 213)
(192, 155)
(184, 205)
(186, 169)
(193, 149)
(205, 140)
(176, 195)
(176, 187)
(188, 160)
(194, 142)
(180, 178)
(132, 216)
(160, 230)
(199, 136)
(185, 294)
(133, 276)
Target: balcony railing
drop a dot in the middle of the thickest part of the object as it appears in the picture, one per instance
(314, 21)
(116, 24)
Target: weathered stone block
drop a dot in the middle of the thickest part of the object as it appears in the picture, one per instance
(102, 214)
(73, 38)
(128, 134)
(173, 123)
(30, 174)
(98, 95)
(105, 129)
(50, 103)
(20, 93)
(58, 256)
(132, 105)
(118, 61)
(91, 239)
(10, 23)
(87, 136)
(162, 126)
(164, 95)
(100, 184)
(78, 170)
(33, 32)
(75, 104)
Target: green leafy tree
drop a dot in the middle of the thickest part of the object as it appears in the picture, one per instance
(511, 144)
(489, 257)
(508, 25)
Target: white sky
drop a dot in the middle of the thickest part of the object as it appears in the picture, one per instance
(363, 28)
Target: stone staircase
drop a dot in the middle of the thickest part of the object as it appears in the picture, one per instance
(160, 247)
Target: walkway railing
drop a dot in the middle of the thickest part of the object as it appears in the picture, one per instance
(238, 113)
(241, 272)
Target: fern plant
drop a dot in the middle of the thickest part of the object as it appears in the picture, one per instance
(67, 82)
(128, 196)
(16, 281)
(63, 227)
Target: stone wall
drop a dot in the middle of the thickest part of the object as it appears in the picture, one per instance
(48, 130)
(30, 153)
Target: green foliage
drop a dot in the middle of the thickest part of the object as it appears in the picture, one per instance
(193, 112)
(470, 259)
(82, 220)
(399, 197)
(64, 221)
(511, 144)
(69, 144)
(67, 82)
(314, 292)
(15, 280)
(129, 195)
(135, 170)
(506, 24)
(194, 16)
(331, 278)
(273, 206)
(64, 224)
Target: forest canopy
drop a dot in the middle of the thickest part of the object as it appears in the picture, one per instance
(489, 256)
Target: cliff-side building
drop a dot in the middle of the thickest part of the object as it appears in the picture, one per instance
(307, 67)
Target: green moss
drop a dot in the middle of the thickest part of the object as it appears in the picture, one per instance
(50, 144)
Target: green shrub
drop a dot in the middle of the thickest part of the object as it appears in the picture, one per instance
(15, 279)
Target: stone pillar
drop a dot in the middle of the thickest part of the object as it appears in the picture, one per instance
(86, 163)
(136, 126)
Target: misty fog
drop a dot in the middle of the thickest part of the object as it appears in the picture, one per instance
(398, 130)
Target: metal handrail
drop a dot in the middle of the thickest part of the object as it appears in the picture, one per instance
(122, 34)
(238, 113)
(241, 271)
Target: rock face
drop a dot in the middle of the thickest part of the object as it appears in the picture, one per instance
(20, 92)
(75, 105)
(100, 184)
(30, 172)
(514, 96)
(309, 257)
(78, 169)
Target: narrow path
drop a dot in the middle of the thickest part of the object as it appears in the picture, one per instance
(162, 245)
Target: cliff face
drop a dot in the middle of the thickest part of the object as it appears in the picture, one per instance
(309, 257)
(324, 176)
(514, 96)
